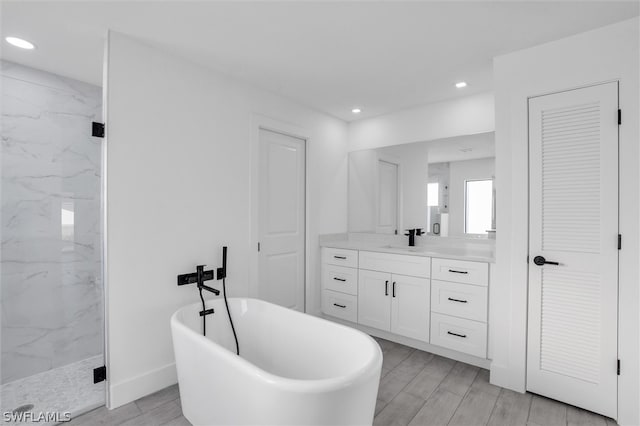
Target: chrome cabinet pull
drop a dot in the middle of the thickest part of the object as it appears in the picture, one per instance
(340, 306)
(339, 279)
(457, 300)
(464, 336)
(386, 288)
(393, 289)
(458, 272)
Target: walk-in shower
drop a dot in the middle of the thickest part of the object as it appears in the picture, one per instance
(51, 290)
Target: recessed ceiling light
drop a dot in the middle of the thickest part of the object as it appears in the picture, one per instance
(356, 110)
(18, 42)
(461, 84)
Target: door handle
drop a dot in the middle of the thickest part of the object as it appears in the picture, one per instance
(456, 300)
(464, 336)
(540, 260)
(340, 257)
(386, 288)
(339, 279)
(393, 289)
(458, 272)
(339, 306)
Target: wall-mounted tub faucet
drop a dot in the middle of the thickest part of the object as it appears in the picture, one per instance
(412, 233)
(199, 277)
(202, 277)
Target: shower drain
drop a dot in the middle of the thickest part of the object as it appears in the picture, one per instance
(23, 408)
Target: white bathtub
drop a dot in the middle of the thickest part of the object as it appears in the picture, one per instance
(294, 368)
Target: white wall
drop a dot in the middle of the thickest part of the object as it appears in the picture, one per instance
(462, 116)
(609, 53)
(180, 143)
(459, 172)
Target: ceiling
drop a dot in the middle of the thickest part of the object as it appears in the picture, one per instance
(329, 55)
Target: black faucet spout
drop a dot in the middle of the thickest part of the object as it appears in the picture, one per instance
(210, 289)
(412, 233)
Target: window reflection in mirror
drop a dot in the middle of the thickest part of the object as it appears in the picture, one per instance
(478, 196)
(465, 198)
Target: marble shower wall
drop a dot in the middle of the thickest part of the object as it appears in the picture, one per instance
(51, 283)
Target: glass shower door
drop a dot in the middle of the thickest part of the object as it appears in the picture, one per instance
(51, 293)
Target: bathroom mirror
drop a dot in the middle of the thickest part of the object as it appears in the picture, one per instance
(445, 186)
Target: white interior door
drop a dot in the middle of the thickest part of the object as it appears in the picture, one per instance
(572, 338)
(387, 197)
(281, 275)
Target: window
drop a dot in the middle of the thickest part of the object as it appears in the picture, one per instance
(478, 196)
(432, 194)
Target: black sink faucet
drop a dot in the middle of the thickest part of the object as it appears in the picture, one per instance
(412, 233)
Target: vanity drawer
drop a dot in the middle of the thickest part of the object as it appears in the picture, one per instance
(340, 305)
(341, 257)
(459, 334)
(415, 266)
(340, 278)
(460, 271)
(460, 300)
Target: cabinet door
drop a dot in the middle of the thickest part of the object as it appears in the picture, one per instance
(374, 293)
(410, 307)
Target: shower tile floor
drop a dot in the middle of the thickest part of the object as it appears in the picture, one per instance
(65, 389)
(416, 388)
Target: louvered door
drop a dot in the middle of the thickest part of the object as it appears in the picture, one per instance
(573, 220)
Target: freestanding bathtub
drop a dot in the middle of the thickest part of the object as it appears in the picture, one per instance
(293, 369)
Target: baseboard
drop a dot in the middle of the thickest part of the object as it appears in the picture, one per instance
(129, 390)
(504, 377)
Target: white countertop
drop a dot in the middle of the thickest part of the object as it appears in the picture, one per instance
(459, 253)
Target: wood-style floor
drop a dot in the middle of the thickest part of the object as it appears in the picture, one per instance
(416, 388)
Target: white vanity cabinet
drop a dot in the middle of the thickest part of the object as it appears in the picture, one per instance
(459, 301)
(438, 301)
(374, 305)
(340, 283)
(410, 307)
(391, 301)
(395, 303)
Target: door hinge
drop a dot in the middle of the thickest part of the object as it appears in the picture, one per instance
(258, 246)
(618, 367)
(99, 374)
(97, 129)
(619, 116)
(619, 241)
